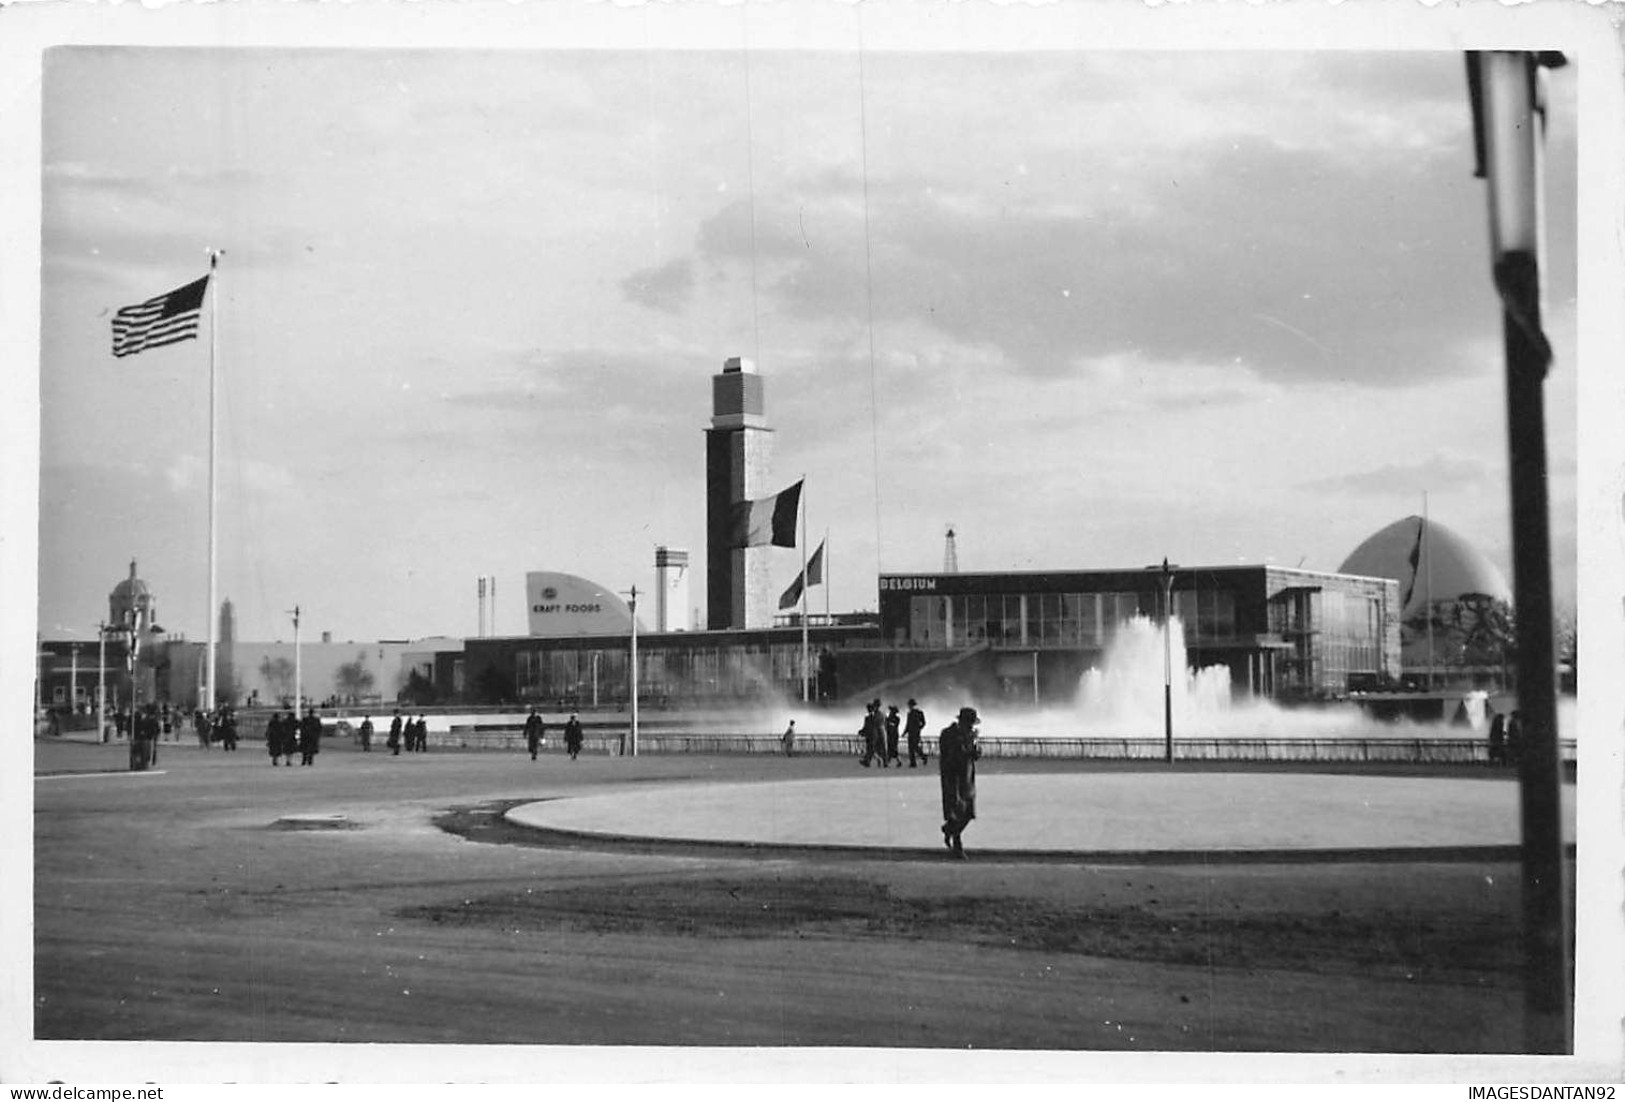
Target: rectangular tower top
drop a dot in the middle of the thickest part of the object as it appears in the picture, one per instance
(735, 364)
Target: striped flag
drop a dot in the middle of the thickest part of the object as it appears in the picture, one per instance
(770, 520)
(167, 319)
(814, 575)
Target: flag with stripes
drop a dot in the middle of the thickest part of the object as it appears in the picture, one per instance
(769, 520)
(813, 575)
(167, 319)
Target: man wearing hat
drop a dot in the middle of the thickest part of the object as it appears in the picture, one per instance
(957, 753)
(893, 721)
(914, 727)
(535, 731)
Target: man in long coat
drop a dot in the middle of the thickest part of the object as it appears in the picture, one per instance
(394, 742)
(273, 738)
(957, 753)
(310, 737)
(144, 739)
(572, 737)
(535, 731)
(914, 728)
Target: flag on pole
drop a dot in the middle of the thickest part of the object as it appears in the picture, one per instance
(770, 520)
(1415, 559)
(813, 575)
(167, 319)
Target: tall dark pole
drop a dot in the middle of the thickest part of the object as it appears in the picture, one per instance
(1167, 662)
(632, 745)
(1505, 86)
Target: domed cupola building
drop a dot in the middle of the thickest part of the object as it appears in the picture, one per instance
(131, 604)
(1449, 585)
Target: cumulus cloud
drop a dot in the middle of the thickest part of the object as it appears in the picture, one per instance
(1439, 471)
(666, 287)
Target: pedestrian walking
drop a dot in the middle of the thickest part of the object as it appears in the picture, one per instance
(1498, 739)
(310, 737)
(789, 740)
(572, 736)
(200, 727)
(893, 721)
(874, 740)
(228, 728)
(957, 754)
(144, 739)
(422, 734)
(913, 729)
(273, 738)
(535, 731)
(1514, 734)
(366, 735)
(394, 741)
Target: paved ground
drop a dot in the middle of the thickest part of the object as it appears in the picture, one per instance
(387, 900)
(1096, 813)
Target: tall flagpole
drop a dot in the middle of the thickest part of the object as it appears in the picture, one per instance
(1425, 542)
(826, 577)
(211, 699)
(804, 648)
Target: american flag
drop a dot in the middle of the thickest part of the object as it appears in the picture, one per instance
(159, 321)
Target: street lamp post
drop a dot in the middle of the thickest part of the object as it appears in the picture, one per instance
(1167, 658)
(297, 671)
(101, 682)
(632, 742)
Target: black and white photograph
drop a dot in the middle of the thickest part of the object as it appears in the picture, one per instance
(853, 543)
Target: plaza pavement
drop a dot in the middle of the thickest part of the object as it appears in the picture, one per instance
(1146, 812)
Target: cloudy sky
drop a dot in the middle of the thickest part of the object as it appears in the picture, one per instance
(1091, 309)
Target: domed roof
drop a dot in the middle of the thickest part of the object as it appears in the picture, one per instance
(1441, 567)
(131, 586)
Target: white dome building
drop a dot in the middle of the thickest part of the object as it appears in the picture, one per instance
(1439, 571)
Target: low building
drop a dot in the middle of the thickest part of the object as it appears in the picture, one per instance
(1031, 635)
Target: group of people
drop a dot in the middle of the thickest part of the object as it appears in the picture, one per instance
(217, 726)
(286, 735)
(880, 735)
(958, 751)
(536, 734)
(413, 734)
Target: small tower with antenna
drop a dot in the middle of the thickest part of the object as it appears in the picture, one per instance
(950, 552)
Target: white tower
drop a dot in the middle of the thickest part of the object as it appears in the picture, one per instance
(671, 589)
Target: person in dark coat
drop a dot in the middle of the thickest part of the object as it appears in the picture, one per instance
(422, 730)
(1498, 739)
(957, 753)
(200, 727)
(366, 735)
(535, 731)
(788, 739)
(144, 739)
(394, 740)
(273, 738)
(572, 736)
(914, 728)
(892, 723)
(310, 737)
(1514, 732)
(873, 733)
(228, 728)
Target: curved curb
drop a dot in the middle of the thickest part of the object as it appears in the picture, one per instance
(645, 843)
